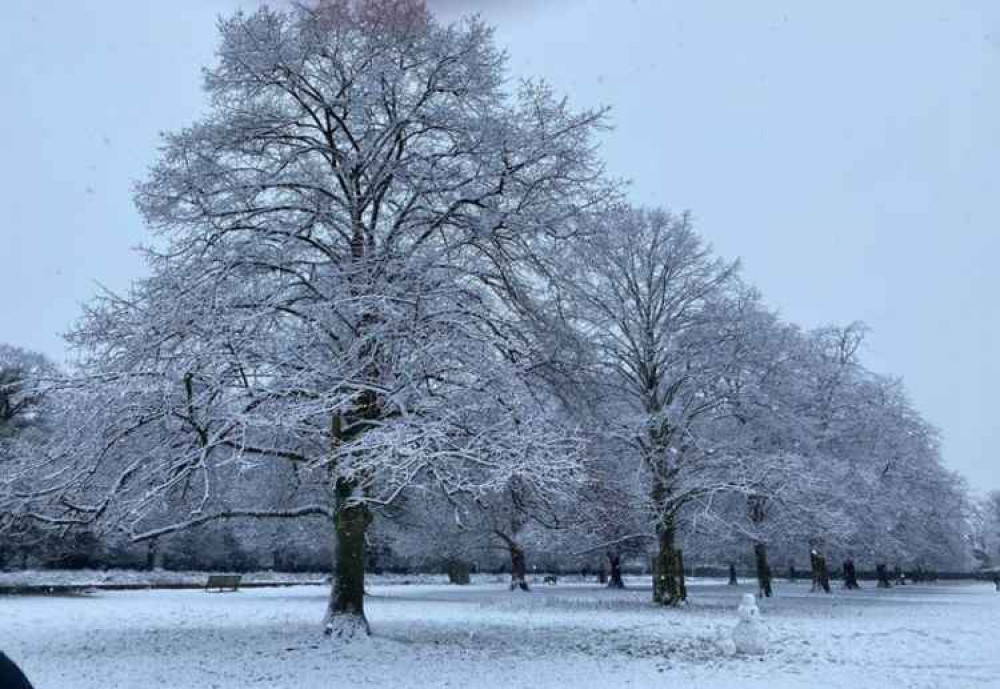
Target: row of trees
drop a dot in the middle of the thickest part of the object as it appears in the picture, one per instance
(384, 285)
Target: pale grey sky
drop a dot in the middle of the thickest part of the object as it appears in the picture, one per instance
(849, 152)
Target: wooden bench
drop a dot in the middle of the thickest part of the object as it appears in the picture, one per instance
(223, 582)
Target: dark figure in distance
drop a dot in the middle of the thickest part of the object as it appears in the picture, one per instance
(11, 676)
(996, 580)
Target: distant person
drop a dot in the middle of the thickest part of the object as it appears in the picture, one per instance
(11, 676)
(996, 580)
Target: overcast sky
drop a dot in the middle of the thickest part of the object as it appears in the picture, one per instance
(848, 152)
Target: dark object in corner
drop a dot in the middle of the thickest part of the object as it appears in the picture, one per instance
(11, 676)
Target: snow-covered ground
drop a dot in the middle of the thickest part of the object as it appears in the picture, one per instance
(571, 635)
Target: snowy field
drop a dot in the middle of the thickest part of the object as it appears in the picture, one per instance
(571, 635)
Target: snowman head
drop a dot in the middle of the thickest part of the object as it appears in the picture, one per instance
(748, 607)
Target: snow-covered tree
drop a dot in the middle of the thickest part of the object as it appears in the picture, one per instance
(762, 433)
(610, 519)
(645, 292)
(337, 242)
(983, 529)
(21, 402)
(26, 417)
(875, 461)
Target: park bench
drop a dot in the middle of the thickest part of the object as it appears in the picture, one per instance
(223, 582)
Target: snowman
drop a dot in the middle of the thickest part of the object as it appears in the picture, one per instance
(749, 635)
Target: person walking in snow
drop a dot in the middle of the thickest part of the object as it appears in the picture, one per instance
(996, 580)
(11, 676)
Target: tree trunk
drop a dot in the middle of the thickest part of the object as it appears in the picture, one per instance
(668, 579)
(882, 573)
(850, 575)
(763, 569)
(458, 572)
(518, 568)
(663, 581)
(615, 562)
(820, 573)
(152, 553)
(679, 570)
(345, 617)
(733, 581)
(791, 571)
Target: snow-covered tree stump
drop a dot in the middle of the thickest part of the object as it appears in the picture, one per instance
(749, 635)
